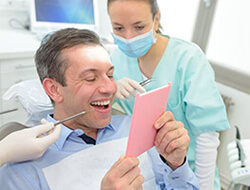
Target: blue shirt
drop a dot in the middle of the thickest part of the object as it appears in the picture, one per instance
(29, 175)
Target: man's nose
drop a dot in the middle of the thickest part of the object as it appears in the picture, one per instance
(108, 86)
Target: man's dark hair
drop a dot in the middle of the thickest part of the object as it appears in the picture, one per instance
(50, 63)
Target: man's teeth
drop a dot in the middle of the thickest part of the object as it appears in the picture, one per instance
(103, 103)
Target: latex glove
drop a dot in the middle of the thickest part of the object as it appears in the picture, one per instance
(28, 143)
(126, 87)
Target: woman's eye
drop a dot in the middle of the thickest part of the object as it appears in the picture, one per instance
(118, 28)
(139, 27)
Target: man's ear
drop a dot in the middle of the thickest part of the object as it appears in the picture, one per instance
(52, 88)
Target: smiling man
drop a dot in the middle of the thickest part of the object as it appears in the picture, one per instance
(76, 73)
(87, 85)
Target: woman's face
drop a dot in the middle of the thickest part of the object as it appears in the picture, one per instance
(131, 18)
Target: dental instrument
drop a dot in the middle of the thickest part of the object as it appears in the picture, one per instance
(145, 82)
(71, 117)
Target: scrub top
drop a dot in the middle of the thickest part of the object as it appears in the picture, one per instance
(194, 98)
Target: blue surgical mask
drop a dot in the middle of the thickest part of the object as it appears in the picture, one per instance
(137, 46)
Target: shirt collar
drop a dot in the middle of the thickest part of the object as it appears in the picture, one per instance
(110, 127)
(64, 134)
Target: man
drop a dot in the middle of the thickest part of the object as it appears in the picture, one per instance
(76, 73)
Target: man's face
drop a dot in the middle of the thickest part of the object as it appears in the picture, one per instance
(90, 86)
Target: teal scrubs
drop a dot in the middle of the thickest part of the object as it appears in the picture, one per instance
(194, 98)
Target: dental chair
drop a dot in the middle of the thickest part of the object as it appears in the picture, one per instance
(10, 127)
(239, 159)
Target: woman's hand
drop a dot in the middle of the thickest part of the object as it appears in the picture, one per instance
(27, 144)
(126, 87)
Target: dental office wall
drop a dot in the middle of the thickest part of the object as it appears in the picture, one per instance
(227, 48)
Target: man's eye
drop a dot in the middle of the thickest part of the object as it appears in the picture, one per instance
(90, 79)
(110, 76)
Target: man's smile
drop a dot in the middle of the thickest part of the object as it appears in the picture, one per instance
(101, 104)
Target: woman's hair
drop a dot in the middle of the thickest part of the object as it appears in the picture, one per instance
(153, 5)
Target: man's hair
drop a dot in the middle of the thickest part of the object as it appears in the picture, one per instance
(50, 62)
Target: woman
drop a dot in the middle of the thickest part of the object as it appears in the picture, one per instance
(28, 143)
(194, 99)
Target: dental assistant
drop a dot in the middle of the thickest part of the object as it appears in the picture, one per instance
(144, 52)
(28, 144)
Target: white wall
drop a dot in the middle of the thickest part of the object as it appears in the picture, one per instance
(229, 42)
(14, 11)
(178, 16)
(104, 22)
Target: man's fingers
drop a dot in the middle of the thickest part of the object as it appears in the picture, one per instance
(132, 174)
(164, 118)
(140, 188)
(117, 162)
(170, 126)
(126, 165)
(168, 139)
(137, 183)
(178, 143)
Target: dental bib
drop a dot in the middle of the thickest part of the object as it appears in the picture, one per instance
(85, 169)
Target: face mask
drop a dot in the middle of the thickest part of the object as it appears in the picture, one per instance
(137, 46)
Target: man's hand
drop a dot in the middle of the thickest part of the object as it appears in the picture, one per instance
(124, 174)
(172, 140)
